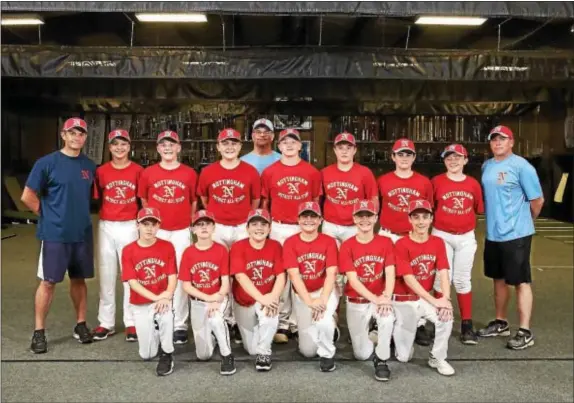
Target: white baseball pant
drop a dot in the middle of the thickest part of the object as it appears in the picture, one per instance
(394, 237)
(358, 320)
(153, 329)
(113, 236)
(280, 232)
(180, 239)
(408, 314)
(316, 338)
(205, 328)
(340, 232)
(256, 328)
(460, 251)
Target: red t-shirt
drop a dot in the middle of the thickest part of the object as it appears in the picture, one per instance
(368, 261)
(262, 266)
(150, 266)
(343, 189)
(311, 258)
(229, 192)
(288, 186)
(204, 268)
(456, 204)
(423, 260)
(117, 188)
(396, 193)
(171, 192)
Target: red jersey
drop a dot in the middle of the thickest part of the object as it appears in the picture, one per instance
(288, 186)
(262, 266)
(368, 261)
(423, 260)
(396, 193)
(150, 266)
(229, 192)
(343, 189)
(456, 204)
(311, 258)
(204, 268)
(171, 192)
(117, 188)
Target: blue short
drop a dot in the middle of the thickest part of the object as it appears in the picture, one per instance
(57, 258)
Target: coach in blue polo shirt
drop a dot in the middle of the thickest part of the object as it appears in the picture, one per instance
(513, 200)
(59, 190)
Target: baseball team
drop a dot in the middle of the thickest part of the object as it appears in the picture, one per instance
(278, 246)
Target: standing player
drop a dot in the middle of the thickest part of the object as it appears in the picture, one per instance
(513, 198)
(257, 264)
(204, 272)
(115, 185)
(170, 187)
(58, 190)
(310, 259)
(149, 267)
(458, 198)
(263, 154)
(368, 261)
(285, 185)
(419, 256)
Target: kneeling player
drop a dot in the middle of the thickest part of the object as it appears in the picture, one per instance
(368, 261)
(310, 258)
(419, 256)
(149, 267)
(204, 273)
(257, 265)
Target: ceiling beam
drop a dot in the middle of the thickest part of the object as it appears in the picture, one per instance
(354, 35)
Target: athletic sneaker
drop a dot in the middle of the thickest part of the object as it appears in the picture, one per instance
(382, 371)
(423, 338)
(235, 334)
(131, 334)
(467, 333)
(373, 332)
(263, 362)
(521, 340)
(327, 364)
(443, 367)
(82, 333)
(227, 365)
(281, 337)
(39, 343)
(165, 363)
(102, 333)
(336, 334)
(180, 337)
(494, 328)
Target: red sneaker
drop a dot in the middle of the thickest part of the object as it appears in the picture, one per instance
(131, 334)
(101, 333)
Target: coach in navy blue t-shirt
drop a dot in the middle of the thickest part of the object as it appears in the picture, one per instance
(59, 191)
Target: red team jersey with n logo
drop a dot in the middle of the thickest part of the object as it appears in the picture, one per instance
(262, 266)
(171, 192)
(117, 188)
(150, 266)
(204, 268)
(311, 258)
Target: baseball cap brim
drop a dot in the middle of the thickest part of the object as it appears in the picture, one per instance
(262, 125)
(149, 217)
(405, 149)
(80, 128)
(119, 137)
(492, 135)
(420, 209)
(168, 139)
(204, 218)
(293, 136)
(259, 217)
(309, 211)
(447, 153)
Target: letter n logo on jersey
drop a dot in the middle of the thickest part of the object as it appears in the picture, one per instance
(85, 174)
(310, 266)
(369, 269)
(204, 276)
(169, 191)
(293, 188)
(228, 191)
(149, 272)
(458, 202)
(342, 193)
(404, 200)
(120, 192)
(257, 274)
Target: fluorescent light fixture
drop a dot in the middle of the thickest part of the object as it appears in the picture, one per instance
(21, 20)
(170, 17)
(435, 20)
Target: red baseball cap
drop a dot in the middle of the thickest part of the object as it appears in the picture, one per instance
(202, 214)
(75, 123)
(148, 212)
(310, 206)
(119, 134)
(259, 213)
(364, 205)
(503, 131)
(420, 204)
(456, 149)
(404, 145)
(168, 134)
(345, 138)
(290, 132)
(229, 134)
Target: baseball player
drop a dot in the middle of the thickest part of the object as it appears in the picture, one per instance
(149, 267)
(263, 154)
(257, 265)
(284, 185)
(204, 273)
(116, 188)
(369, 263)
(310, 259)
(458, 198)
(419, 257)
(170, 187)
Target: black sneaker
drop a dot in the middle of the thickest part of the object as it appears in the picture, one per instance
(495, 328)
(336, 334)
(521, 340)
(382, 371)
(263, 362)
(165, 364)
(82, 333)
(467, 334)
(235, 334)
(327, 364)
(180, 337)
(422, 337)
(39, 343)
(227, 365)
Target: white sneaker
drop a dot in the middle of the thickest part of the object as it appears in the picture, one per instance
(443, 367)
